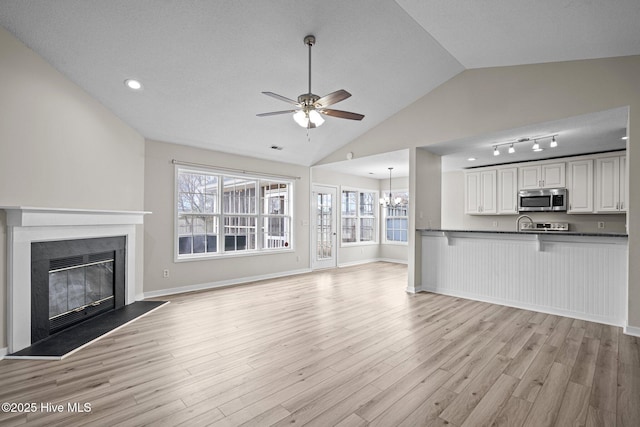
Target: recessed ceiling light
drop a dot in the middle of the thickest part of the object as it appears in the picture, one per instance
(133, 84)
(625, 138)
(471, 159)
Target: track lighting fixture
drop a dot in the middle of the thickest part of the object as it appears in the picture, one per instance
(535, 147)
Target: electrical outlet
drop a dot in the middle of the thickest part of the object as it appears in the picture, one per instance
(165, 273)
(600, 224)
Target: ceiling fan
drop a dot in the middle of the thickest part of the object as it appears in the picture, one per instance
(311, 107)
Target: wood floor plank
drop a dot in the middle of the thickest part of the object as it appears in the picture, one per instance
(598, 418)
(535, 376)
(546, 406)
(628, 409)
(585, 364)
(575, 405)
(396, 412)
(458, 411)
(428, 413)
(571, 347)
(492, 402)
(605, 381)
(526, 355)
(513, 414)
(346, 347)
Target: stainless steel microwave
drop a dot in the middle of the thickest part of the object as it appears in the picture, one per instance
(542, 200)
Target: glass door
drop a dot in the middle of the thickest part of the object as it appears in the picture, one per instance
(324, 201)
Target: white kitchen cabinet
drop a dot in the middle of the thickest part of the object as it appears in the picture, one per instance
(548, 175)
(480, 193)
(508, 191)
(580, 186)
(611, 184)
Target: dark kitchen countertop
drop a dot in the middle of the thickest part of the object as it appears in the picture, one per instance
(553, 233)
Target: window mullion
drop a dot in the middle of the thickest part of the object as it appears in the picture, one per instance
(221, 231)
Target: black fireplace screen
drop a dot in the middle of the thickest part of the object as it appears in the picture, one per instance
(75, 287)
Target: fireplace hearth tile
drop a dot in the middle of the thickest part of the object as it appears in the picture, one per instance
(66, 342)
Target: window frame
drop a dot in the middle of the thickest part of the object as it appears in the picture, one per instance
(358, 216)
(385, 216)
(260, 215)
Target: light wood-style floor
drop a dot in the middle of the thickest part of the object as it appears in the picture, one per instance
(344, 347)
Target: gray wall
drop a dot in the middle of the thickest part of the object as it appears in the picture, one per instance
(159, 227)
(60, 148)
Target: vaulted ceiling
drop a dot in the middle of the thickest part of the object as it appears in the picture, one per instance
(203, 64)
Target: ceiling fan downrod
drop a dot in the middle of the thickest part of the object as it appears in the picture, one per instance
(310, 41)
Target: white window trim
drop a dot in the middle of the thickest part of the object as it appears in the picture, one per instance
(376, 216)
(259, 217)
(383, 225)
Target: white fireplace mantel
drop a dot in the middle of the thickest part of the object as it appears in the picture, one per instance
(26, 225)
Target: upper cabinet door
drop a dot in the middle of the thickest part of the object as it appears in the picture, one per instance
(553, 175)
(611, 184)
(508, 191)
(529, 177)
(550, 175)
(480, 193)
(580, 186)
(623, 184)
(488, 183)
(608, 184)
(472, 193)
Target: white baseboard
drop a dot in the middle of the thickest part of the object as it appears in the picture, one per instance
(222, 283)
(394, 261)
(530, 307)
(354, 263)
(369, 261)
(632, 330)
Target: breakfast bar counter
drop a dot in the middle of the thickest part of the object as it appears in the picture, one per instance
(573, 274)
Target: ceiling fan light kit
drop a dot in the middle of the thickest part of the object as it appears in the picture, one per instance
(310, 106)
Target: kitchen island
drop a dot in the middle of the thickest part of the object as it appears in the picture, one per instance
(579, 275)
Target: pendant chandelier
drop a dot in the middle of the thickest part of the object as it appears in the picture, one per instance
(390, 201)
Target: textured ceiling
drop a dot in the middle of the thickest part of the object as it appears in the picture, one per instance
(204, 63)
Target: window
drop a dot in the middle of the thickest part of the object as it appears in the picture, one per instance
(221, 214)
(358, 216)
(397, 219)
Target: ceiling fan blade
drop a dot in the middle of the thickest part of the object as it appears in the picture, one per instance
(332, 98)
(282, 98)
(275, 113)
(342, 114)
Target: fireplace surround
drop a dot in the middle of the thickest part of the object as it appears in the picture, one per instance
(73, 281)
(28, 225)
